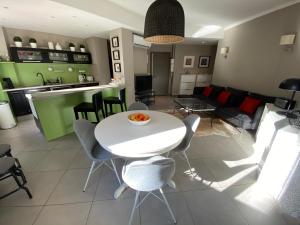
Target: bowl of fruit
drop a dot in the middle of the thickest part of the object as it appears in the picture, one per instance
(139, 119)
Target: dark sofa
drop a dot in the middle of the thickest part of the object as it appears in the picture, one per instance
(230, 111)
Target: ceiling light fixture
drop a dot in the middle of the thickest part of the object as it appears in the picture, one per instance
(5, 7)
(53, 17)
(164, 22)
(203, 31)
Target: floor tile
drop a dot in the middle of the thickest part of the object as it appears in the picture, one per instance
(18, 215)
(155, 212)
(108, 184)
(227, 176)
(81, 161)
(255, 205)
(213, 208)
(40, 184)
(202, 179)
(112, 212)
(70, 187)
(72, 214)
(56, 160)
(29, 160)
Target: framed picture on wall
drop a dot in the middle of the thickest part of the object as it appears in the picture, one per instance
(116, 55)
(115, 42)
(204, 61)
(188, 61)
(117, 67)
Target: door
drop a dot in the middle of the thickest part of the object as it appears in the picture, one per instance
(161, 72)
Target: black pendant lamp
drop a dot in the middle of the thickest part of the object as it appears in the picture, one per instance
(164, 23)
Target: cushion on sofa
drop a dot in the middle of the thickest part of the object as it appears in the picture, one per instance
(207, 91)
(250, 105)
(237, 97)
(235, 117)
(223, 97)
(216, 91)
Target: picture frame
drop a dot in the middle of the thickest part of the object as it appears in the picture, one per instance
(204, 61)
(115, 42)
(117, 67)
(116, 55)
(188, 61)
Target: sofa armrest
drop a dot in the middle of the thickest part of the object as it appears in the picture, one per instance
(257, 116)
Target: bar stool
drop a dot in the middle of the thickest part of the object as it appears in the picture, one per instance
(120, 100)
(5, 150)
(95, 106)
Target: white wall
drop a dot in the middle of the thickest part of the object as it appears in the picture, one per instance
(256, 62)
(126, 61)
(98, 49)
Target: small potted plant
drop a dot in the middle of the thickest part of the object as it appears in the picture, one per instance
(72, 47)
(82, 48)
(18, 41)
(32, 43)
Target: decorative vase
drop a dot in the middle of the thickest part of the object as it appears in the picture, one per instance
(18, 44)
(33, 45)
(58, 46)
(50, 45)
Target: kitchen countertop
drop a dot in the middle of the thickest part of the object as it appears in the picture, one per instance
(46, 86)
(47, 94)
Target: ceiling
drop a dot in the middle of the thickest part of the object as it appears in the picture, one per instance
(205, 19)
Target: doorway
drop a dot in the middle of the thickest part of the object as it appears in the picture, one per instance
(160, 70)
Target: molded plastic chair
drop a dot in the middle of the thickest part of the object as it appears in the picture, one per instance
(85, 133)
(8, 169)
(147, 176)
(191, 122)
(138, 106)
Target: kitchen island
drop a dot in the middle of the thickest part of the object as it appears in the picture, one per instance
(53, 110)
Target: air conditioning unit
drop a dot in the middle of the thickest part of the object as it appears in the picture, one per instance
(139, 41)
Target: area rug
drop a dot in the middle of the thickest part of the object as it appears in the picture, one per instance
(220, 127)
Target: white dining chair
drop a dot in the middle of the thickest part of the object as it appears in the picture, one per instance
(138, 106)
(147, 176)
(85, 133)
(191, 122)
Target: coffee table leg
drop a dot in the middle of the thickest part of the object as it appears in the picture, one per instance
(172, 184)
(120, 190)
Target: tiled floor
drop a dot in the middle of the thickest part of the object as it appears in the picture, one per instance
(223, 192)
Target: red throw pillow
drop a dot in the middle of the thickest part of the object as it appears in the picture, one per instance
(249, 105)
(207, 91)
(223, 97)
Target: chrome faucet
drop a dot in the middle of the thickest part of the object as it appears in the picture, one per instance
(42, 76)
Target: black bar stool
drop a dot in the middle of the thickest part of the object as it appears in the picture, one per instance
(8, 169)
(95, 106)
(5, 150)
(121, 100)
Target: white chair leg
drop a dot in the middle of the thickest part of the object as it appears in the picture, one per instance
(134, 207)
(115, 169)
(188, 162)
(89, 175)
(167, 203)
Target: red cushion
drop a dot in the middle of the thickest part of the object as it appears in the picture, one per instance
(249, 105)
(207, 91)
(223, 97)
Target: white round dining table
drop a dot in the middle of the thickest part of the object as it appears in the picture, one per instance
(120, 137)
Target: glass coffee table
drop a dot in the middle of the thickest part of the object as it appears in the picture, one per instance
(192, 105)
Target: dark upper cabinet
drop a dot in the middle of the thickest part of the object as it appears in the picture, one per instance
(81, 57)
(21, 55)
(40, 55)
